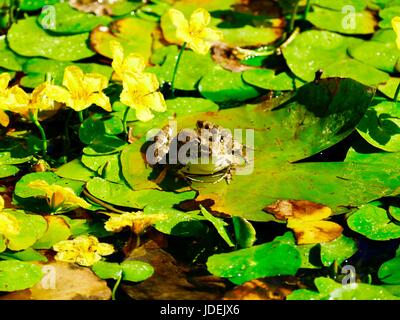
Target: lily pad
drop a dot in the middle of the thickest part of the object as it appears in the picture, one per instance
(381, 126)
(338, 5)
(267, 79)
(245, 233)
(8, 59)
(270, 259)
(36, 70)
(32, 5)
(134, 34)
(374, 223)
(75, 170)
(364, 21)
(27, 38)
(121, 195)
(18, 275)
(220, 85)
(71, 21)
(322, 50)
(57, 230)
(132, 270)
(337, 250)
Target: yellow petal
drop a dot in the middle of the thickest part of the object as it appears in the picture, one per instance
(199, 19)
(308, 232)
(155, 101)
(39, 98)
(181, 23)
(4, 120)
(58, 94)
(73, 77)
(143, 113)
(199, 45)
(101, 100)
(18, 98)
(118, 56)
(212, 35)
(104, 249)
(396, 28)
(134, 63)
(5, 79)
(94, 82)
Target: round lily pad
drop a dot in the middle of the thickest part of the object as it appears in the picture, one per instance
(27, 38)
(268, 79)
(8, 59)
(18, 275)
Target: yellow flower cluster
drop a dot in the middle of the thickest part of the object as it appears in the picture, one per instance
(135, 220)
(15, 99)
(59, 198)
(194, 32)
(140, 89)
(83, 250)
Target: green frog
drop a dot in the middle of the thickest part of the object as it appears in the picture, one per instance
(206, 154)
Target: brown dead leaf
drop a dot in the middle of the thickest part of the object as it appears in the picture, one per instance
(307, 220)
(225, 57)
(70, 282)
(169, 281)
(276, 288)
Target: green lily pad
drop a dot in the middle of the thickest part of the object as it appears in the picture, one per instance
(322, 50)
(338, 5)
(107, 166)
(389, 271)
(36, 70)
(266, 260)
(24, 255)
(389, 88)
(75, 170)
(8, 59)
(364, 21)
(18, 275)
(337, 250)
(121, 195)
(132, 270)
(71, 21)
(220, 85)
(27, 38)
(57, 230)
(32, 5)
(374, 223)
(267, 79)
(7, 170)
(331, 290)
(32, 227)
(192, 68)
(178, 223)
(381, 126)
(387, 15)
(134, 34)
(382, 56)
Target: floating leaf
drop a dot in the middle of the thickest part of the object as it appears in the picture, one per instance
(132, 270)
(8, 59)
(245, 233)
(267, 79)
(75, 170)
(57, 231)
(28, 39)
(266, 260)
(374, 223)
(219, 224)
(314, 50)
(71, 21)
(337, 250)
(24, 255)
(18, 275)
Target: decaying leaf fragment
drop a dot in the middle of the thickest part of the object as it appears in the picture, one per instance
(307, 220)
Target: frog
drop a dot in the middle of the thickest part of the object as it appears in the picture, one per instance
(207, 153)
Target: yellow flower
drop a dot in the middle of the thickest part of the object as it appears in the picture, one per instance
(59, 198)
(83, 250)
(396, 28)
(82, 90)
(133, 63)
(195, 32)
(135, 220)
(9, 225)
(140, 93)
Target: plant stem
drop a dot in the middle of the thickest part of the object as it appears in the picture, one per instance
(307, 9)
(80, 115)
(294, 15)
(42, 133)
(396, 95)
(124, 120)
(114, 290)
(178, 59)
